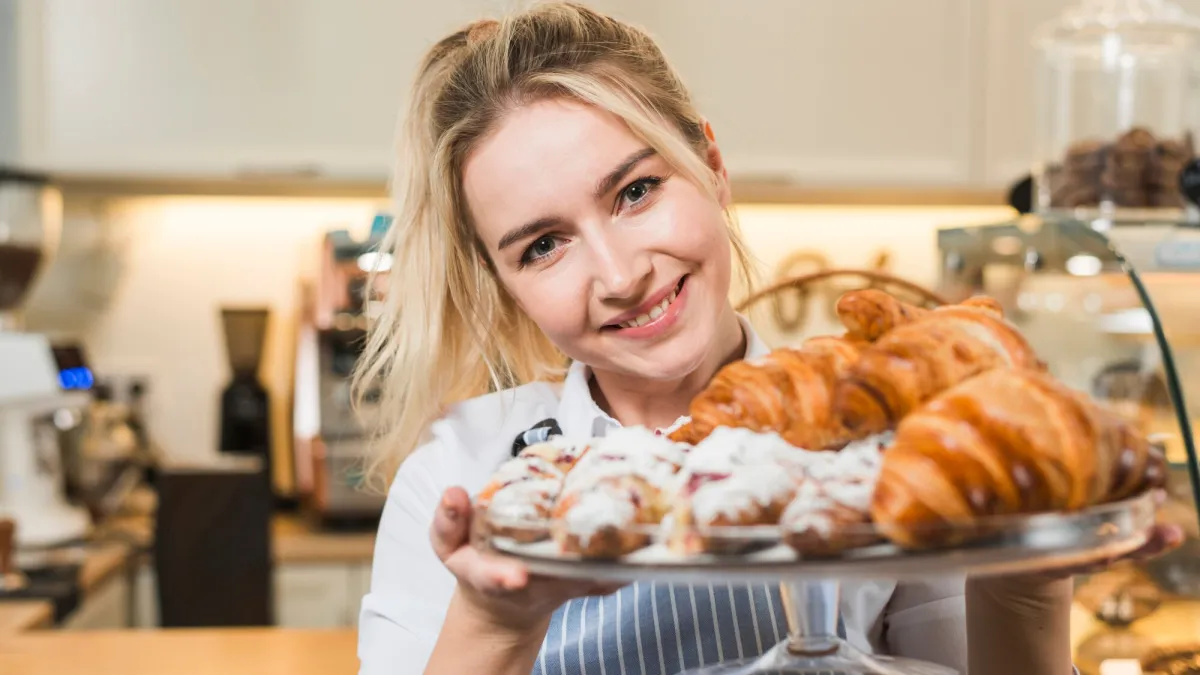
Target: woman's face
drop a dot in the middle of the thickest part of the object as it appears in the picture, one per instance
(624, 264)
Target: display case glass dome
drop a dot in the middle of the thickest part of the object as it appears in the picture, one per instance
(1114, 311)
(1116, 108)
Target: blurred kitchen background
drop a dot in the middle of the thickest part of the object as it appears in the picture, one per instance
(191, 193)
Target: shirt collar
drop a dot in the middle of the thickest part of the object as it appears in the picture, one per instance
(578, 414)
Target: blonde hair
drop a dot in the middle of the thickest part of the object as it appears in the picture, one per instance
(448, 331)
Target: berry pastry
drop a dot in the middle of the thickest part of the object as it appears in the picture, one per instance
(831, 510)
(733, 478)
(620, 486)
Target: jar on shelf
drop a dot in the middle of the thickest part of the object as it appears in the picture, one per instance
(1116, 106)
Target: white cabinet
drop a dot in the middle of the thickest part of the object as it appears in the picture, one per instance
(843, 93)
(918, 93)
(106, 607)
(360, 587)
(318, 595)
(224, 88)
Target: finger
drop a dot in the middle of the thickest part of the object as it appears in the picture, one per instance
(498, 575)
(487, 573)
(451, 523)
(1164, 538)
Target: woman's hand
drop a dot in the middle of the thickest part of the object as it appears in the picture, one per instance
(496, 590)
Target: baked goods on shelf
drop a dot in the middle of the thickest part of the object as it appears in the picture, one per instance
(1008, 441)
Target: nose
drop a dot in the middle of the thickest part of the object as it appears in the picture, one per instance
(622, 266)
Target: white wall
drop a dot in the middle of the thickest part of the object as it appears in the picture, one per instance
(189, 256)
(848, 237)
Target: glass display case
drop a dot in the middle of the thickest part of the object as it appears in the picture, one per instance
(1116, 106)
(1114, 310)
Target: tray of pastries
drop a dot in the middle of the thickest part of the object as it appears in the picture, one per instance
(920, 442)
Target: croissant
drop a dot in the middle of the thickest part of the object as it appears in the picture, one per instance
(1008, 441)
(916, 361)
(868, 314)
(789, 391)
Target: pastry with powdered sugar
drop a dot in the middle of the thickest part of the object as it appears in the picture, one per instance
(830, 512)
(616, 493)
(733, 478)
(520, 497)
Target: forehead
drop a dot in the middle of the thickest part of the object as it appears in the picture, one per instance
(542, 159)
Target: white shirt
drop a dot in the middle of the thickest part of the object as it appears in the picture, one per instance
(403, 612)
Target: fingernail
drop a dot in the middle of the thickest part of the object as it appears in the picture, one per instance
(451, 513)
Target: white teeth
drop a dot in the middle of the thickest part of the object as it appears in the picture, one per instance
(657, 311)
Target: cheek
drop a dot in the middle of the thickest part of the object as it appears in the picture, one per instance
(698, 234)
(552, 301)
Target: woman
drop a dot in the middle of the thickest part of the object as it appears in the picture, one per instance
(564, 203)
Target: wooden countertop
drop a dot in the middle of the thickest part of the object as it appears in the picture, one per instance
(99, 564)
(23, 615)
(294, 541)
(257, 651)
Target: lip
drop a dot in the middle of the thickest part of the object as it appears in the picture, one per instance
(645, 307)
(662, 325)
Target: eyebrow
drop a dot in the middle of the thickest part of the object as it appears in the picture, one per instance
(603, 187)
(618, 174)
(528, 230)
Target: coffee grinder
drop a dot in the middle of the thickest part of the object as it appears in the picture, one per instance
(245, 402)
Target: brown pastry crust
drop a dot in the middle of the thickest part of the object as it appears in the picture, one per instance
(790, 392)
(1008, 441)
(869, 313)
(917, 361)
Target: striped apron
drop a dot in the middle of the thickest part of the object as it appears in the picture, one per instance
(662, 629)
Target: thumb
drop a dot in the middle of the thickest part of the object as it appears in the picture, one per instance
(451, 523)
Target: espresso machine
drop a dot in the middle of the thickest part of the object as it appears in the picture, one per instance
(330, 435)
(36, 409)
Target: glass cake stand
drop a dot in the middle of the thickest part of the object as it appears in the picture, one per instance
(810, 587)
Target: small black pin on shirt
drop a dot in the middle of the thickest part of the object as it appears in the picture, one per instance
(538, 433)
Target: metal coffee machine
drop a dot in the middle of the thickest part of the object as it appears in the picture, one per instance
(35, 408)
(331, 437)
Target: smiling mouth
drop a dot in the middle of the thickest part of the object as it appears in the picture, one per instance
(655, 312)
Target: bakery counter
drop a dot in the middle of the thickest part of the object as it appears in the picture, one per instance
(101, 568)
(257, 651)
(17, 616)
(293, 540)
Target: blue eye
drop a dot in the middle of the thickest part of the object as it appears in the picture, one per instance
(539, 249)
(636, 192)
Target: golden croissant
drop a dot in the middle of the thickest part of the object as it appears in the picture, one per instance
(916, 361)
(789, 391)
(868, 314)
(1008, 441)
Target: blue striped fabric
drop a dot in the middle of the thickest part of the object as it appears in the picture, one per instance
(662, 629)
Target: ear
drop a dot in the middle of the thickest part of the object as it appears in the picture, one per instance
(717, 164)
